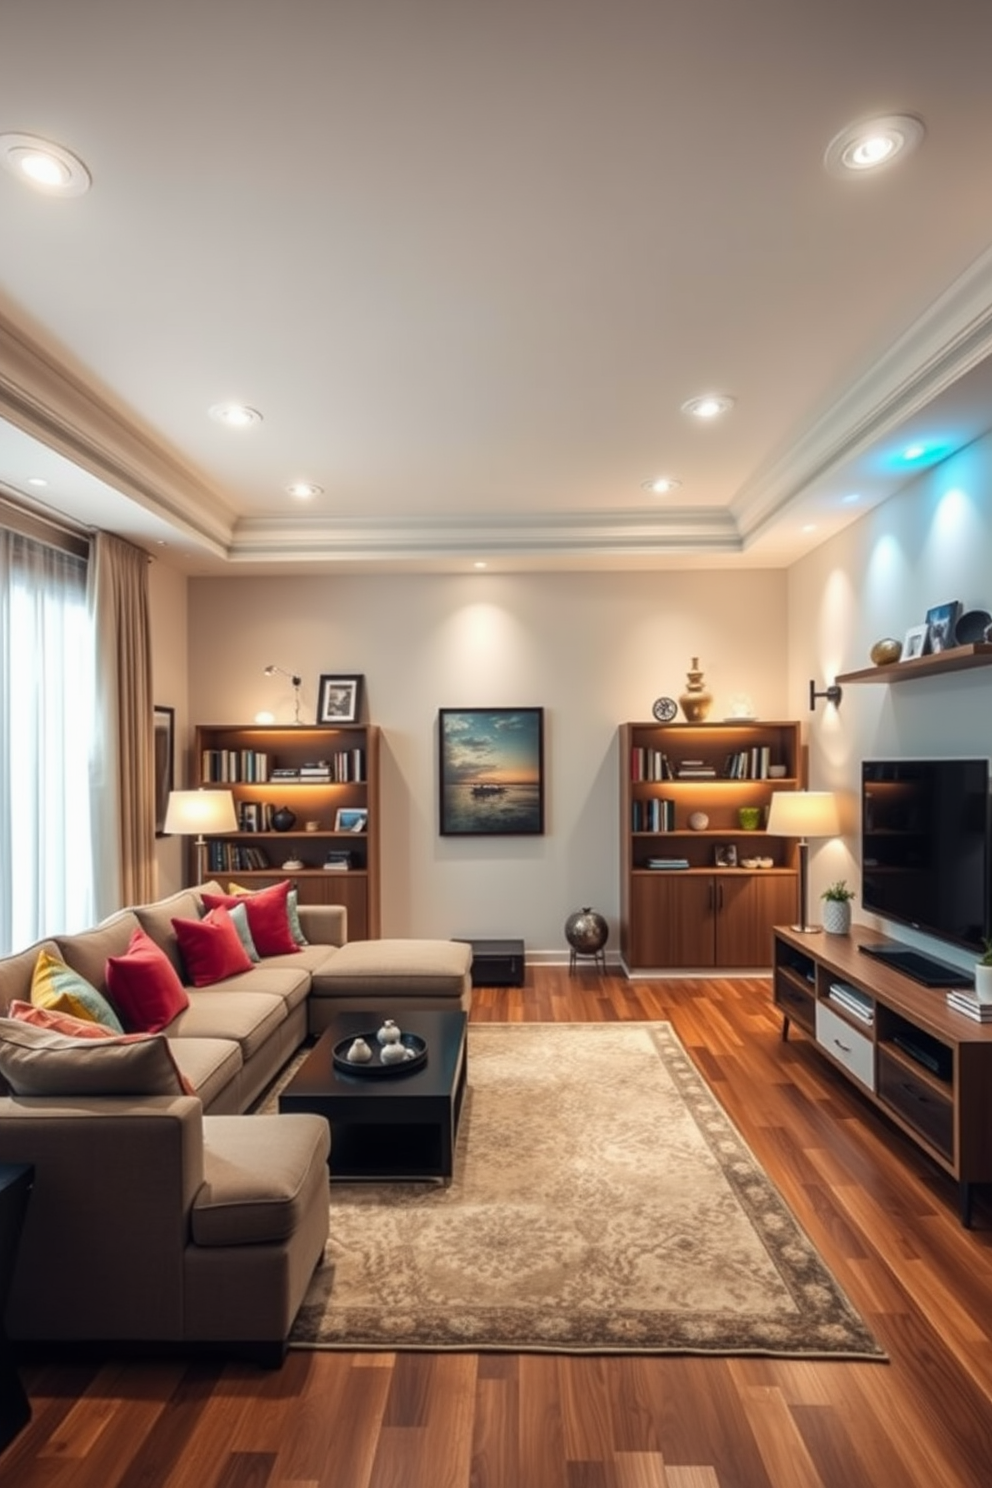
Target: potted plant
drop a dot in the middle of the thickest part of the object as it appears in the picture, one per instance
(983, 974)
(837, 908)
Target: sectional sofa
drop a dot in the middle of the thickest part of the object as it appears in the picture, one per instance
(162, 1213)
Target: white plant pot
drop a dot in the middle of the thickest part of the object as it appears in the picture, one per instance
(837, 916)
(983, 983)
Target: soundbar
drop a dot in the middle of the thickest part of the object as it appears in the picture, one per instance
(926, 970)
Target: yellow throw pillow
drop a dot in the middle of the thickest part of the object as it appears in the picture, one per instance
(55, 986)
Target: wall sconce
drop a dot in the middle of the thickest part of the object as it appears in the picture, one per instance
(296, 681)
(832, 694)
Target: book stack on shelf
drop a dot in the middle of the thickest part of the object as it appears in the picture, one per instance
(666, 863)
(234, 766)
(656, 815)
(284, 774)
(968, 1003)
(231, 857)
(338, 862)
(695, 769)
(852, 1001)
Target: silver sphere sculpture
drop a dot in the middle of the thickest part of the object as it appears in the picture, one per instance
(587, 933)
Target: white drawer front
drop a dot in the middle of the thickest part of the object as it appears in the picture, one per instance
(849, 1047)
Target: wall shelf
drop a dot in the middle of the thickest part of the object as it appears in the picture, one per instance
(956, 659)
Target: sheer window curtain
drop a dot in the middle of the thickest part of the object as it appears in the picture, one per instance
(46, 700)
(123, 775)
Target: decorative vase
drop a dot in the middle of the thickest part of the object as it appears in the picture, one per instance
(586, 931)
(983, 983)
(837, 916)
(389, 1033)
(283, 820)
(886, 651)
(749, 817)
(695, 702)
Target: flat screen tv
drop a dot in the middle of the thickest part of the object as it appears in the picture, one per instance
(925, 854)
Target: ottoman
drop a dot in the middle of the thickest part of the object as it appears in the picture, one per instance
(380, 976)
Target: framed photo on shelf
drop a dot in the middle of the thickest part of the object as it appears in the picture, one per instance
(941, 623)
(725, 855)
(339, 698)
(491, 772)
(351, 819)
(164, 736)
(915, 643)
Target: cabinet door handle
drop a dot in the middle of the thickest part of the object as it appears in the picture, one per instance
(845, 1048)
(912, 1090)
(719, 896)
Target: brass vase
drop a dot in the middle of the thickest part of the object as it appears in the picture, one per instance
(695, 702)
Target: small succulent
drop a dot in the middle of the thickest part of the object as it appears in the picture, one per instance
(838, 891)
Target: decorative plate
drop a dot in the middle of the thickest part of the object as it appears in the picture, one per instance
(665, 709)
(374, 1067)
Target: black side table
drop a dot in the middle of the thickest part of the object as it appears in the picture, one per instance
(16, 1180)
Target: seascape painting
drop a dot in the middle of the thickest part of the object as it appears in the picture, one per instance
(492, 781)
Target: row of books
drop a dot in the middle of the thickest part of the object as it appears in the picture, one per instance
(748, 764)
(656, 815)
(650, 764)
(852, 1001)
(741, 764)
(967, 1003)
(344, 767)
(234, 766)
(230, 857)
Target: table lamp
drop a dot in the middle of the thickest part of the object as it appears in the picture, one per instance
(200, 811)
(803, 814)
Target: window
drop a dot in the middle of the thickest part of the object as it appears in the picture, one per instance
(46, 728)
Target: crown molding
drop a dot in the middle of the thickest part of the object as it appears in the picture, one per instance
(574, 534)
(45, 400)
(950, 339)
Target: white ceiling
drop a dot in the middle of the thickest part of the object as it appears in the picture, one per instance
(468, 260)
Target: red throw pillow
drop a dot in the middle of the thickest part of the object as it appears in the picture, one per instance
(211, 948)
(268, 917)
(144, 986)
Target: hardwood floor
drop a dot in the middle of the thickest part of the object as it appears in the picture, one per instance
(883, 1218)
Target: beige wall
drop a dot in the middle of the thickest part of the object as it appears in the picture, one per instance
(591, 649)
(167, 599)
(930, 544)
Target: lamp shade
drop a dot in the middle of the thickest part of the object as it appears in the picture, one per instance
(200, 811)
(802, 814)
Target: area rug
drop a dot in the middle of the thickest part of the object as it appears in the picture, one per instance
(603, 1202)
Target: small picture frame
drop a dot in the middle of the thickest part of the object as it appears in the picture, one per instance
(725, 855)
(351, 819)
(339, 698)
(915, 643)
(164, 722)
(941, 624)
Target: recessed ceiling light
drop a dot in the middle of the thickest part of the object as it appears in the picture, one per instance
(709, 406)
(303, 490)
(914, 452)
(44, 165)
(661, 485)
(873, 143)
(37, 480)
(852, 498)
(235, 415)
(479, 564)
(809, 527)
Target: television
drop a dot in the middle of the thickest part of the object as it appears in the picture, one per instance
(925, 846)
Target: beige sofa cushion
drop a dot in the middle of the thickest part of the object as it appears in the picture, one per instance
(156, 920)
(250, 1018)
(256, 1177)
(40, 1062)
(89, 950)
(16, 973)
(416, 969)
(209, 1064)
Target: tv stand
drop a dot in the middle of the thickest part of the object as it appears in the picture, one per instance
(926, 1066)
(926, 970)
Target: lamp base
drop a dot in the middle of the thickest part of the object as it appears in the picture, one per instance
(807, 929)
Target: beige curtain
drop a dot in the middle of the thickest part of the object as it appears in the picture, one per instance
(123, 772)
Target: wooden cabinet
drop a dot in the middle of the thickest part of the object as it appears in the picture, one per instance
(704, 914)
(327, 776)
(928, 1067)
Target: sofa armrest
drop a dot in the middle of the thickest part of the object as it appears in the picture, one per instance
(108, 1221)
(324, 924)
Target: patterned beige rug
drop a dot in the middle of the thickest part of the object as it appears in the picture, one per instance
(602, 1202)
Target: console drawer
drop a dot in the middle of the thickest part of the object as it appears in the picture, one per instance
(916, 1101)
(845, 1044)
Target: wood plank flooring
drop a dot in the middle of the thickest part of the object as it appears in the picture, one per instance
(884, 1219)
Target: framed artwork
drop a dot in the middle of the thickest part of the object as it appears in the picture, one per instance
(491, 772)
(915, 643)
(351, 819)
(941, 624)
(339, 698)
(164, 737)
(725, 855)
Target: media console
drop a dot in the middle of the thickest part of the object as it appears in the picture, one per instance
(926, 1066)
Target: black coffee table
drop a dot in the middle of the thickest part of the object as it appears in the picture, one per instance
(388, 1127)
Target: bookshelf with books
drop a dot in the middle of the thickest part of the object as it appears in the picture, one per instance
(327, 778)
(700, 885)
